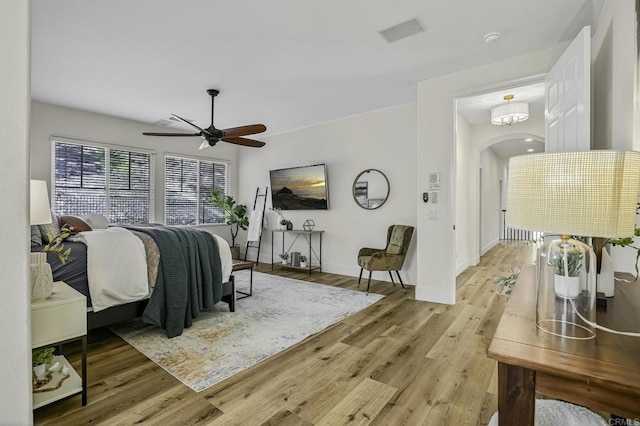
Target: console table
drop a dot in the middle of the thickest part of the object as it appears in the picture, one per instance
(308, 236)
(602, 373)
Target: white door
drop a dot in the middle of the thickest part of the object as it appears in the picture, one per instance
(568, 98)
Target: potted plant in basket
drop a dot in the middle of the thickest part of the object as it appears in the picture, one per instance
(567, 265)
(234, 215)
(40, 358)
(303, 261)
(284, 257)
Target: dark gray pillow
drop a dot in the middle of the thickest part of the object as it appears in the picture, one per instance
(36, 236)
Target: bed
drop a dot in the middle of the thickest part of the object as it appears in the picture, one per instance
(166, 275)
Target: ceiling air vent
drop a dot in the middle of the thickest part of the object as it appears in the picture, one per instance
(165, 122)
(402, 30)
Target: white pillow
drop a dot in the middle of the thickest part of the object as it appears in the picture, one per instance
(96, 221)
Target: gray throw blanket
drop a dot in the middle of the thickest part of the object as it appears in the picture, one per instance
(189, 277)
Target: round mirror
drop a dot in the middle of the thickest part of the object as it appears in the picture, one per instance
(371, 189)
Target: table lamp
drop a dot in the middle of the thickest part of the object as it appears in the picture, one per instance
(588, 194)
(41, 275)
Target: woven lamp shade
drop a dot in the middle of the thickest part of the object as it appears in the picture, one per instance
(588, 193)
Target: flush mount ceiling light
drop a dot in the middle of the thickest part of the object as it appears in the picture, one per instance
(509, 113)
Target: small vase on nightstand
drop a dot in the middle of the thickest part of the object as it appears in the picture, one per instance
(41, 277)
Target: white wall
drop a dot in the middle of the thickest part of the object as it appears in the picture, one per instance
(493, 181)
(465, 171)
(435, 152)
(48, 120)
(613, 57)
(15, 329)
(383, 140)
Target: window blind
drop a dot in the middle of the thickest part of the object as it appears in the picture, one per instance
(188, 185)
(97, 179)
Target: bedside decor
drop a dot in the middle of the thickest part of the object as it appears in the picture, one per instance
(40, 214)
(308, 225)
(590, 193)
(39, 360)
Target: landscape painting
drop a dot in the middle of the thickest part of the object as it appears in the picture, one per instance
(300, 188)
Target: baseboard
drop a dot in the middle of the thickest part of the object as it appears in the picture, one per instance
(489, 246)
(435, 294)
(461, 268)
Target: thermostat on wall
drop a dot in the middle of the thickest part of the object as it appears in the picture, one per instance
(434, 181)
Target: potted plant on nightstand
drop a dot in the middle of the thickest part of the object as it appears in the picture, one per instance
(40, 358)
(235, 215)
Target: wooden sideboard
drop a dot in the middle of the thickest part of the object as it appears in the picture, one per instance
(601, 373)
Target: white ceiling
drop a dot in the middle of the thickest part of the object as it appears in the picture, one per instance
(477, 110)
(284, 63)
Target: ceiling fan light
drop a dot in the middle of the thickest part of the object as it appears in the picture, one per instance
(510, 113)
(204, 144)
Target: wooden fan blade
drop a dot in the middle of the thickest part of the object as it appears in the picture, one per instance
(170, 134)
(250, 129)
(244, 141)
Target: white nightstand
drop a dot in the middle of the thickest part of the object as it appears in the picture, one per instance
(61, 318)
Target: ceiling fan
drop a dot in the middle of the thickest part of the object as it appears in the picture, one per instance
(211, 135)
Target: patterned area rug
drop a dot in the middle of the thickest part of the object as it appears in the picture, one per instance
(219, 344)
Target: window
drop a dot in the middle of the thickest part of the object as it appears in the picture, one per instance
(115, 182)
(188, 184)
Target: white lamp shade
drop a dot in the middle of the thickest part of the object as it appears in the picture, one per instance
(40, 210)
(589, 193)
(510, 113)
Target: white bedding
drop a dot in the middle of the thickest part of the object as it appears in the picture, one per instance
(225, 257)
(117, 266)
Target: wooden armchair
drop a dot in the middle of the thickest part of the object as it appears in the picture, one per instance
(391, 258)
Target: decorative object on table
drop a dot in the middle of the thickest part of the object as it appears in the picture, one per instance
(308, 225)
(284, 257)
(303, 261)
(566, 283)
(605, 283)
(627, 242)
(300, 188)
(506, 283)
(54, 377)
(40, 358)
(285, 225)
(40, 214)
(235, 215)
(41, 277)
(220, 345)
(590, 193)
(295, 258)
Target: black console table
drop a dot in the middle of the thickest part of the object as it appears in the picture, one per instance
(308, 236)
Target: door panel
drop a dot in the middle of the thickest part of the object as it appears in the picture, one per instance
(568, 98)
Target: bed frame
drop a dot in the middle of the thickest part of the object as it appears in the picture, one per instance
(134, 310)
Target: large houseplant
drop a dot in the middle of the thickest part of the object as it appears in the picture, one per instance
(234, 215)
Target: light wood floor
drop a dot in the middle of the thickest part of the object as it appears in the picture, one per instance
(398, 362)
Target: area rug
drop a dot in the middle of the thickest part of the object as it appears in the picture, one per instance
(219, 344)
